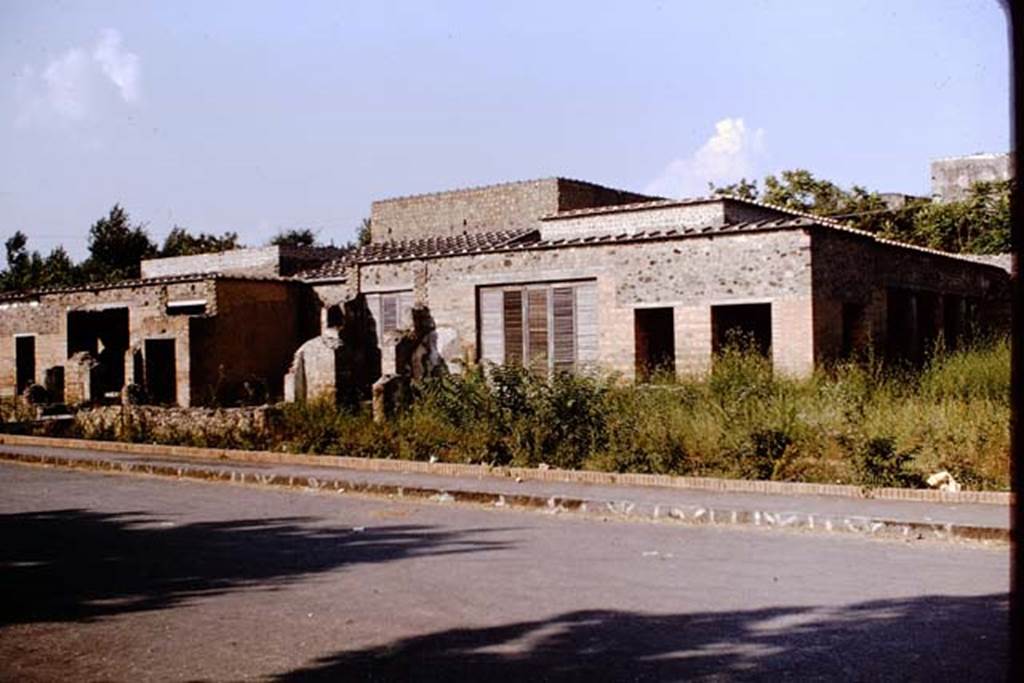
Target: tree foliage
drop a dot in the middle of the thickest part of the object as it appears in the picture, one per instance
(180, 242)
(364, 234)
(979, 224)
(116, 247)
(296, 237)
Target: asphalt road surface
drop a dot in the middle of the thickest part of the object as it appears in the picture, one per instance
(106, 577)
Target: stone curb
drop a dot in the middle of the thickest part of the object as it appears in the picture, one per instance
(523, 473)
(621, 509)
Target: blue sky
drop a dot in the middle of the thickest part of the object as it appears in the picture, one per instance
(258, 116)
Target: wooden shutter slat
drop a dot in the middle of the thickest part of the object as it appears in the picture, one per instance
(564, 328)
(389, 312)
(586, 324)
(513, 320)
(492, 328)
(537, 334)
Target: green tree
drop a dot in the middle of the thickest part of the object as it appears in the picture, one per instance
(297, 237)
(979, 224)
(364, 234)
(744, 189)
(116, 247)
(58, 270)
(180, 242)
(18, 273)
(28, 270)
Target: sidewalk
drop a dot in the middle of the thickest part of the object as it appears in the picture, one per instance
(823, 513)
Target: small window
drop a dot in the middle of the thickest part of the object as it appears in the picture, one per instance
(189, 307)
(391, 311)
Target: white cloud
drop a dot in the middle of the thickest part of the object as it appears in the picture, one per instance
(728, 155)
(119, 65)
(70, 86)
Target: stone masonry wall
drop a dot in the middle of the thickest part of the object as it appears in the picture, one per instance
(849, 268)
(46, 318)
(952, 178)
(667, 216)
(496, 207)
(689, 275)
(263, 261)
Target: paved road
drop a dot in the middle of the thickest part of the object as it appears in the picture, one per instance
(125, 578)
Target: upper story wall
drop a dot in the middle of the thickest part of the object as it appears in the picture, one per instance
(497, 207)
(256, 262)
(658, 215)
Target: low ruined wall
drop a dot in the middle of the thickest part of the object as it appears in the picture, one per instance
(213, 427)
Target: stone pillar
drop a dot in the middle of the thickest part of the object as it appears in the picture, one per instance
(793, 336)
(693, 340)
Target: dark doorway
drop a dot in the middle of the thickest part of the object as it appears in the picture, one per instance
(161, 371)
(903, 338)
(25, 361)
(104, 334)
(855, 337)
(655, 337)
(952, 321)
(744, 326)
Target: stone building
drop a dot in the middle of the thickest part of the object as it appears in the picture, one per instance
(553, 274)
(952, 177)
(185, 338)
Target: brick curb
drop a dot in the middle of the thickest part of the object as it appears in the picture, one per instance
(622, 509)
(523, 473)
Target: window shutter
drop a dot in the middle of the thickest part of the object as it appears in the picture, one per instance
(389, 312)
(564, 328)
(513, 319)
(492, 328)
(537, 333)
(586, 324)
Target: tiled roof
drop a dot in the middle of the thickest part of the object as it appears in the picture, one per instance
(141, 282)
(637, 206)
(529, 239)
(428, 247)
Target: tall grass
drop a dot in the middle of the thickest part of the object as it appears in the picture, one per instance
(856, 424)
(859, 424)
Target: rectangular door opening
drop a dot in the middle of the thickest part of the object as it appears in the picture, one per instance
(104, 335)
(25, 361)
(654, 333)
(161, 371)
(747, 327)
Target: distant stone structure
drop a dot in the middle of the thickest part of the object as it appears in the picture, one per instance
(952, 177)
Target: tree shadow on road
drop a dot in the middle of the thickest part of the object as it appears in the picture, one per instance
(927, 638)
(75, 565)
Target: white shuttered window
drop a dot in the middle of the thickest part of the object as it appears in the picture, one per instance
(545, 327)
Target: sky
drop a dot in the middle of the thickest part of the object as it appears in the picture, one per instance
(260, 116)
